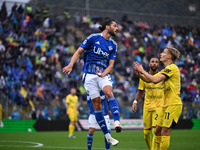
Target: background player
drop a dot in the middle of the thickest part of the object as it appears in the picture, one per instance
(99, 57)
(172, 106)
(72, 111)
(154, 95)
(93, 123)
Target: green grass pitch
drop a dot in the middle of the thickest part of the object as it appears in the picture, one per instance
(129, 140)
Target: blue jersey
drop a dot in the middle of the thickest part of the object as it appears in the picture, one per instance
(97, 53)
(103, 102)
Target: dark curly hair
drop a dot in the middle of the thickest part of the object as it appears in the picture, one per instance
(106, 21)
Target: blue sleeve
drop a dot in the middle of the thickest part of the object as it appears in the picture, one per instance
(87, 42)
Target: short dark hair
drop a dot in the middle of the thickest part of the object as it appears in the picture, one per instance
(107, 21)
(153, 57)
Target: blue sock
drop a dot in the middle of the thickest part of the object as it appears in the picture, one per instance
(89, 141)
(113, 105)
(107, 145)
(101, 121)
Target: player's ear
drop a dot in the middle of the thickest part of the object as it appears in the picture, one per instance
(169, 56)
(107, 27)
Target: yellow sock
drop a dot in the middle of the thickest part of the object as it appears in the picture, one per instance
(147, 138)
(74, 129)
(154, 139)
(165, 142)
(158, 141)
(71, 129)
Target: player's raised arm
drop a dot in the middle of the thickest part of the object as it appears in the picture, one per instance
(141, 75)
(147, 75)
(75, 57)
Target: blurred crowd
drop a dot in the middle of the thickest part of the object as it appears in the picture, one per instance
(34, 47)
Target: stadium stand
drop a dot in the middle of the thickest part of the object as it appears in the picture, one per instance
(34, 48)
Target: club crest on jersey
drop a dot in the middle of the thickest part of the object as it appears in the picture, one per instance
(99, 51)
(110, 48)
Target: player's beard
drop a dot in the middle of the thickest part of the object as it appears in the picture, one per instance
(154, 68)
(112, 33)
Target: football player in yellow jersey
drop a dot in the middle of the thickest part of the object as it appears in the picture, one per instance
(172, 106)
(72, 111)
(154, 95)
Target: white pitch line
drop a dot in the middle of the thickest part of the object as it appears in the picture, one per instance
(54, 147)
(29, 142)
(81, 148)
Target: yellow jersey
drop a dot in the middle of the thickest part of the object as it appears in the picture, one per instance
(154, 94)
(72, 102)
(172, 85)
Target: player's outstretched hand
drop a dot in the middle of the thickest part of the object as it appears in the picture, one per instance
(134, 107)
(138, 67)
(99, 73)
(67, 69)
(136, 71)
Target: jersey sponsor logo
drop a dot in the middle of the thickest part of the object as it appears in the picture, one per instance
(155, 97)
(98, 43)
(151, 88)
(167, 70)
(99, 51)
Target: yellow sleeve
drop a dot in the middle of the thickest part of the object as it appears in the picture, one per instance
(141, 85)
(157, 74)
(68, 99)
(169, 70)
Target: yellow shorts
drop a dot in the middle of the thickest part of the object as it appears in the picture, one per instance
(73, 116)
(150, 118)
(169, 115)
(158, 122)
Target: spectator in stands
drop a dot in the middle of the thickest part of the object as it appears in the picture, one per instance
(15, 115)
(3, 12)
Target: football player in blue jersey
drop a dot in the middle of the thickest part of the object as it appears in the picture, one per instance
(99, 57)
(93, 123)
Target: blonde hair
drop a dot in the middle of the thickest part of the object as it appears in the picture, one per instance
(174, 52)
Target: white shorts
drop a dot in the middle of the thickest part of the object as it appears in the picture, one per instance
(92, 123)
(94, 84)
